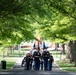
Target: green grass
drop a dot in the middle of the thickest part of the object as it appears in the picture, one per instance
(17, 53)
(57, 54)
(12, 58)
(66, 65)
(9, 63)
(63, 63)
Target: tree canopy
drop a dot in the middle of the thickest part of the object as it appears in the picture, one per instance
(60, 24)
(55, 19)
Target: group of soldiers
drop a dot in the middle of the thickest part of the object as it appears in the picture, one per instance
(38, 60)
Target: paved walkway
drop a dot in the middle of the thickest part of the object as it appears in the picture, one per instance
(18, 70)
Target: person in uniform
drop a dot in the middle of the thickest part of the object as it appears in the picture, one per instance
(27, 60)
(50, 61)
(45, 56)
(23, 61)
(37, 57)
(31, 61)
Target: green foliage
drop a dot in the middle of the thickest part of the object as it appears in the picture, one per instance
(55, 19)
(13, 24)
(60, 27)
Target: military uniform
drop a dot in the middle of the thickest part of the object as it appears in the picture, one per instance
(36, 56)
(51, 60)
(23, 62)
(45, 56)
(27, 60)
(31, 61)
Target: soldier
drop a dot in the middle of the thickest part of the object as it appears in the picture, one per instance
(31, 61)
(27, 61)
(50, 61)
(37, 56)
(23, 61)
(45, 56)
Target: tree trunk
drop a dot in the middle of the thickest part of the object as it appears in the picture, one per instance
(68, 51)
(3, 54)
(10, 50)
(63, 46)
(72, 51)
(13, 50)
(74, 62)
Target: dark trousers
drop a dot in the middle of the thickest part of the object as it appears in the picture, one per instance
(45, 64)
(28, 65)
(42, 66)
(49, 66)
(37, 64)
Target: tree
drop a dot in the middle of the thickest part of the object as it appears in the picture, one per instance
(56, 19)
(60, 27)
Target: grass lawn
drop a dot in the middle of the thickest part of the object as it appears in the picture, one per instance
(66, 66)
(57, 54)
(9, 63)
(62, 62)
(12, 58)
